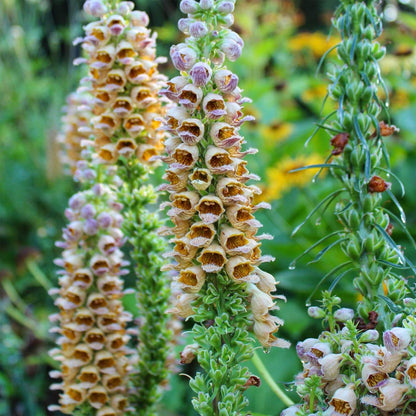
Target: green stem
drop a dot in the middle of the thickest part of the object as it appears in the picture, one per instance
(266, 376)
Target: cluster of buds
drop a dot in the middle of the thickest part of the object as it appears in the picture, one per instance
(355, 375)
(76, 122)
(94, 359)
(211, 206)
(124, 82)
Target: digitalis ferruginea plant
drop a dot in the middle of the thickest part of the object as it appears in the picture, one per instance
(92, 351)
(363, 362)
(216, 254)
(116, 113)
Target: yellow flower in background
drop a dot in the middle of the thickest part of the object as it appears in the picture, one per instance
(400, 98)
(315, 92)
(276, 132)
(280, 178)
(318, 43)
(401, 60)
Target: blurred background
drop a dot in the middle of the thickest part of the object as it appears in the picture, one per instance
(284, 43)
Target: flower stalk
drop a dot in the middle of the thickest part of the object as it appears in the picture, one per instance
(216, 254)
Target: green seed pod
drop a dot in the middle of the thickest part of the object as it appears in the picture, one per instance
(353, 248)
(366, 95)
(361, 286)
(380, 52)
(369, 33)
(369, 202)
(370, 69)
(342, 52)
(347, 122)
(354, 219)
(357, 157)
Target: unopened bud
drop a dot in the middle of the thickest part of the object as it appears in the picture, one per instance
(369, 336)
(316, 312)
(226, 7)
(206, 4)
(344, 314)
(198, 29)
(188, 6)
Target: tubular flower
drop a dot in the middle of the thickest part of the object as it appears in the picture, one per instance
(94, 359)
(217, 249)
(76, 128)
(124, 82)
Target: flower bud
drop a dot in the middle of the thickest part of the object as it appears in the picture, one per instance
(139, 18)
(188, 6)
(231, 49)
(316, 312)
(344, 314)
(125, 7)
(183, 57)
(95, 8)
(330, 366)
(198, 29)
(206, 4)
(369, 336)
(226, 7)
(228, 20)
(201, 74)
(183, 25)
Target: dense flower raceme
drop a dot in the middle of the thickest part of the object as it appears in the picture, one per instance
(210, 203)
(357, 371)
(124, 81)
(94, 359)
(216, 254)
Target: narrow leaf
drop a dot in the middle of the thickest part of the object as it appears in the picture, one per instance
(398, 206)
(329, 274)
(319, 165)
(324, 250)
(329, 198)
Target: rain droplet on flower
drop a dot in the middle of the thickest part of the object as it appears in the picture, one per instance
(292, 266)
(307, 304)
(318, 222)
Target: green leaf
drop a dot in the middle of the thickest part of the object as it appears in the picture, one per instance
(328, 199)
